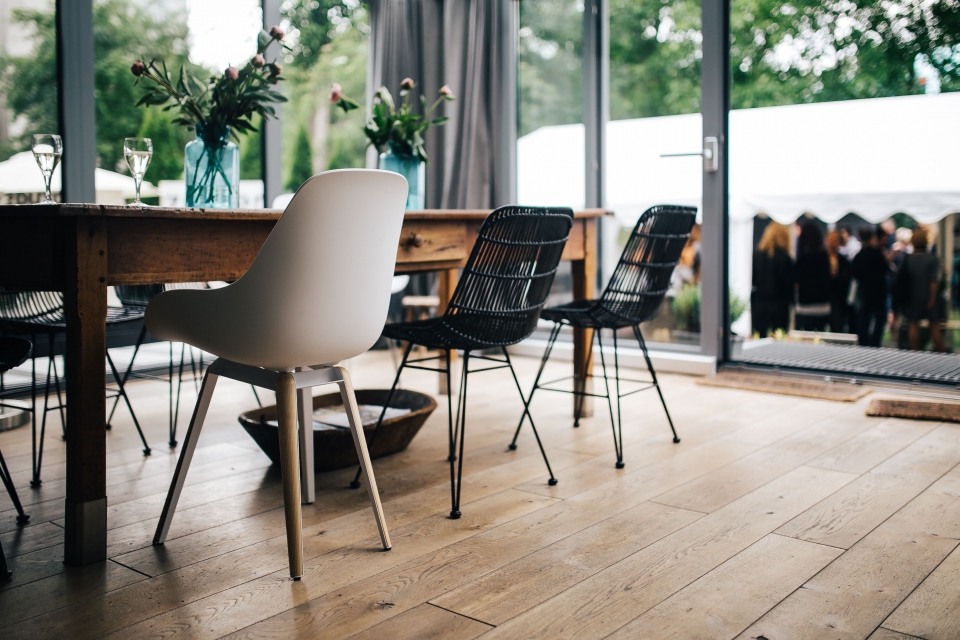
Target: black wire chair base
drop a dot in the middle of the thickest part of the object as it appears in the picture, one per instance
(616, 422)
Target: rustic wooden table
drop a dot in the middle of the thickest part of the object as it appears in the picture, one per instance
(82, 249)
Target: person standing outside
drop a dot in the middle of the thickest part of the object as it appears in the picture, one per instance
(839, 284)
(870, 269)
(772, 281)
(919, 278)
(813, 280)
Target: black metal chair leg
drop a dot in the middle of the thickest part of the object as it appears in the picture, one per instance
(526, 401)
(126, 374)
(56, 384)
(653, 375)
(613, 426)
(123, 393)
(38, 442)
(449, 373)
(462, 418)
(355, 483)
(616, 373)
(4, 571)
(22, 517)
(553, 480)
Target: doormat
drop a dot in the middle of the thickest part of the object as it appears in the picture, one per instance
(787, 386)
(915, 409)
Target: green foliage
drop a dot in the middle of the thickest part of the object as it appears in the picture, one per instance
(781, 53)
(302, 161)
(317, 23)
(685, 306)
(251, 154)
(168, 142)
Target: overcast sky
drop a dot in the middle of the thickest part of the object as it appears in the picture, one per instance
(223, 32)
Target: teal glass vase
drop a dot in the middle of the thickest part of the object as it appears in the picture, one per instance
(411, 168)
(212, 171)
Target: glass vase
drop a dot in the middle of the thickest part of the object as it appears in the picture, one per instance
(212, 171)
(411, 168)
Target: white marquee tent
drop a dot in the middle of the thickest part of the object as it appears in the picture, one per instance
(21, 175)
(870, 157)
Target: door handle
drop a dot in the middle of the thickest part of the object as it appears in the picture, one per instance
(710, 154)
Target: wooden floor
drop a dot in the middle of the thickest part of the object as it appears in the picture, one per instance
(776, 517)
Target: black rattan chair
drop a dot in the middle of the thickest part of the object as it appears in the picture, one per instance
(42, 313)
(633, 295)
(13, 353)
(497, 303)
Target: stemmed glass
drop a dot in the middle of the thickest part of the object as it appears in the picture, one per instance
(138, 152)
(47, 149)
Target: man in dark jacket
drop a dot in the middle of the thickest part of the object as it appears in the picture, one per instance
(870, 268)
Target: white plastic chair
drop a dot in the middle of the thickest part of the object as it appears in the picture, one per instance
(316, 294)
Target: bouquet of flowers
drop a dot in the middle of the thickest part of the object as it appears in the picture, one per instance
(221, 106)
(393, 127)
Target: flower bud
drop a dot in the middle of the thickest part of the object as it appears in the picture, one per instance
(137, 68)
(446, 92)
(407, 84)
(277, 33)
(257, 61)
(336, 92)
(231, 73)
(276, 69)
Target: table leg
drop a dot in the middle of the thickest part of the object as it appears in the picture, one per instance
(85, 306)
(584, 274)
(446, 283)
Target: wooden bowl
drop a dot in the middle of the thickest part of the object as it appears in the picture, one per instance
(333, 448)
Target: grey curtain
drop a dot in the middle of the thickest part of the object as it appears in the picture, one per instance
(471, 46)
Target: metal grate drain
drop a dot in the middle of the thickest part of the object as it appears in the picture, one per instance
(894, 364)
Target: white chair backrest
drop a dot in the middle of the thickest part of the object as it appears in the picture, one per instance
(319, 289)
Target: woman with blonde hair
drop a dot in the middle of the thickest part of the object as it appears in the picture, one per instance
(772, 281)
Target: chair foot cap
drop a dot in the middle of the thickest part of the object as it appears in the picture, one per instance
(295, 578)
(451, 458)
(36, 483)
(620, 464)
(512, 447)
(147, 451)
(552, 482)
(23, 519)
(354, 484)
(454, 515)
(172, 443)
(676, 440)
(576, 424)
(109, 426)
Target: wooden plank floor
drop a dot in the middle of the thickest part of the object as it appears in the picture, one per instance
(776, 517)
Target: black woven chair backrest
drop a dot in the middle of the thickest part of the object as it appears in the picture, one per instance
(508, 275)
(36, 307)
(137, 295)
(642, 277)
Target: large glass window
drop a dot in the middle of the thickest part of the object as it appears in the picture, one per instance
(841, 127)
(550, 146)
(329, 40)
(28, 96)
(655, 115)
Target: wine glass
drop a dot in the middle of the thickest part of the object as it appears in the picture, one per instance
(47, 149)
(138, 152)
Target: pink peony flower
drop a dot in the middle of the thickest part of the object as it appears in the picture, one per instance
(277, 33)
(406, 83)
(137, 68)
(336, 92)
(231, 73)
(446, 92)
(257, 61)
(276, 68)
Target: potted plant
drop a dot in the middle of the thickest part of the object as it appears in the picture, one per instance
(397, 132)
(217, 109)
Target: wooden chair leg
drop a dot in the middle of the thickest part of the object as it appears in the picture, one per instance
(290, 470)
(186, 455)
(360, 442)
